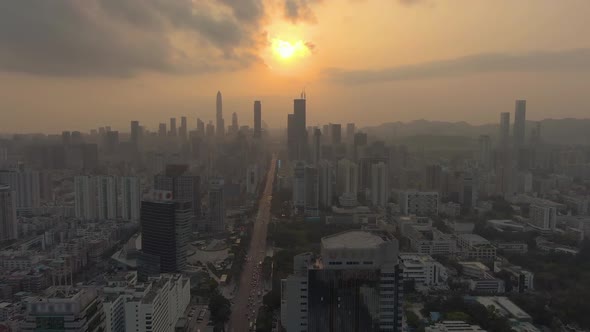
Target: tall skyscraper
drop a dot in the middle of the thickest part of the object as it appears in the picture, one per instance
(257, 119)
(26, 185)
(130, 198)
(485, 151)
(299, 129)
(347, 177)
(379, 184)
(504, 136)
(519, 123)
(165, 230)
(216, 219)
(173, 132)
(356, 285)
(219, 124)
(200, 127)
(291, 138)
(234, 123)
(85, 200)
(8, 223)
(311, 205)
(183, 185)
(336, 131)
(183, 131)
(299, 186)
(317, 146)
(162, 130)
(350, 128)
(135, 134)
(326, 183)
(106, 189)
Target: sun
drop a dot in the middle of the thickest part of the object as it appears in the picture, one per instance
(288, 50)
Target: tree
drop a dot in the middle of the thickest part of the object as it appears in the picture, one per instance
(220, 309)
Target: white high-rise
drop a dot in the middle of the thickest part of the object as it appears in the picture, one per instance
(85, 200)
(130, 198)
(106, 189)
(379, 184)
(25, 183)
(8, 223)
(347, 178)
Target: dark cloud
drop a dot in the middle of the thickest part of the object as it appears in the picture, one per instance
(568, 60)
(411, 2)
(123, 37)
(300, 10)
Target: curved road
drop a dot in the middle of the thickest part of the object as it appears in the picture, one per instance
(238, 321)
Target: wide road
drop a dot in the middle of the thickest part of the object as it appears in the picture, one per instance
(239, 321)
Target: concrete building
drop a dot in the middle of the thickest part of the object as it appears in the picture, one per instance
(299, 186)
(326, 183)
(184, 186)
(311, 199)
(106, 197)
(219, 122)
(543, 215)
(25, 184)
(504, 135)
(85, 199)
(79, 311)
(453, 326)
(357, 281)
(257, 119)
(519, 123)
(347, 177)
(8, 221)
(476, 247)
(423, 269)
(379, 184)
(418, 203)
(130, 198)
(216, 217)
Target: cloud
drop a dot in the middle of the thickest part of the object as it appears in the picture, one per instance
(300, 10)
(411, 2)
(124, 37)
(567, 60)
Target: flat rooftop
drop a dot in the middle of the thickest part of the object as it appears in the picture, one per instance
(352, 240)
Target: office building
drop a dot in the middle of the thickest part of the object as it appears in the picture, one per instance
(297, 130)
(519, 123)
(183, 185)
(257, 119)
(234, 123)
(130, 198)
(419, 203)
(79, 311)
(299, 186)
(165, 230)
(172, 131)
(216, 218)
(135, 136)
(317, 146)
(85, 197)
(336, 133)
(379, 184)
(475, 247)
(326, 183)
(347, 177)
(8, 221)
(504, 135)
(356, 285)
(543, 215)
(106, 190)
(219, 123)
(183, 130)
(311, 198)
(200, 127)
(424, 270)
(26, 186)
(162, 132)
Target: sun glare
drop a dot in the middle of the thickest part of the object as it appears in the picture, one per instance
(288, 50)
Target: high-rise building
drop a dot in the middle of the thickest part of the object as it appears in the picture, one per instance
(135, 134)
(291, 138)
(347, 177)
(257, 119)
(8, 223)
(297, 130)
(219, 124)
(111, 142)
(299, 186)
(183, 185)
(130, 198)
(210, 129)
(350, 128)
(519, 123)
(468, 191)
(317, 146)
(165, 230)
(173, 131)
(379, 184)
(336, 133)
(85, 200)
(26, 185)
(543, 215)
(106, 189)
(326, 183)
(234, 122)
(485, 151)
(200, 127)
(66, 137)
(504, 129)
(79, 311)
(356, 285)
(216, 218)
(183, 130)
(433, 177)
(418, 203)
(162, 130)
(311, 205)
(360, 141)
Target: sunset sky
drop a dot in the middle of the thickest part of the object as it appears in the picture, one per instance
(76, 65)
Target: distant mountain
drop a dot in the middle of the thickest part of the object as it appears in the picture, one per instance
(558, 131)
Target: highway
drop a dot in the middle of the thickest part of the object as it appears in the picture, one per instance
(242, 311)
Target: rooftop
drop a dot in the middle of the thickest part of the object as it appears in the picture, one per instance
(352, 240)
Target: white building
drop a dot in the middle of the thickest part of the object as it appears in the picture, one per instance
(85, 200)
(8, 221)
(543, 215)
(453, 326)
(476, 247)
(299, 185)
(25, 184)
(347, 177)
(106, 197)
(418, 203)
(423, 269)
(379, 184)
(130, 198)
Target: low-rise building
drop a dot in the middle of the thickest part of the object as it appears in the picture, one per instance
(476, 247)
(423, 269)
(453, 326)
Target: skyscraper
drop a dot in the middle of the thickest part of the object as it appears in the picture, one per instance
(485, 151)
(135, 134)
(234, 123)
(130, 198)
(379, 184)
(291, 138)
(219, 124)
(326, 183)
(216, 219)
(183, 185)
(200, 127)
(299, 186)
(347, 177)
(165, 230)
(26, 185)
(356, 285)
(519, 123)
(162, 130)
(173, 131)
(183, 131)
(85, 200)
(336, 131)
(350, 128)
(299, 133)
(106, 197)
(257, 119)
(504, 136)
(311, 205)
(317, 146)
(8, 225)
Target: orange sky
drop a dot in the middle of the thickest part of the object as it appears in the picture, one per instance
(82, 65)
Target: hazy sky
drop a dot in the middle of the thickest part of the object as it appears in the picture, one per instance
(71, 64)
